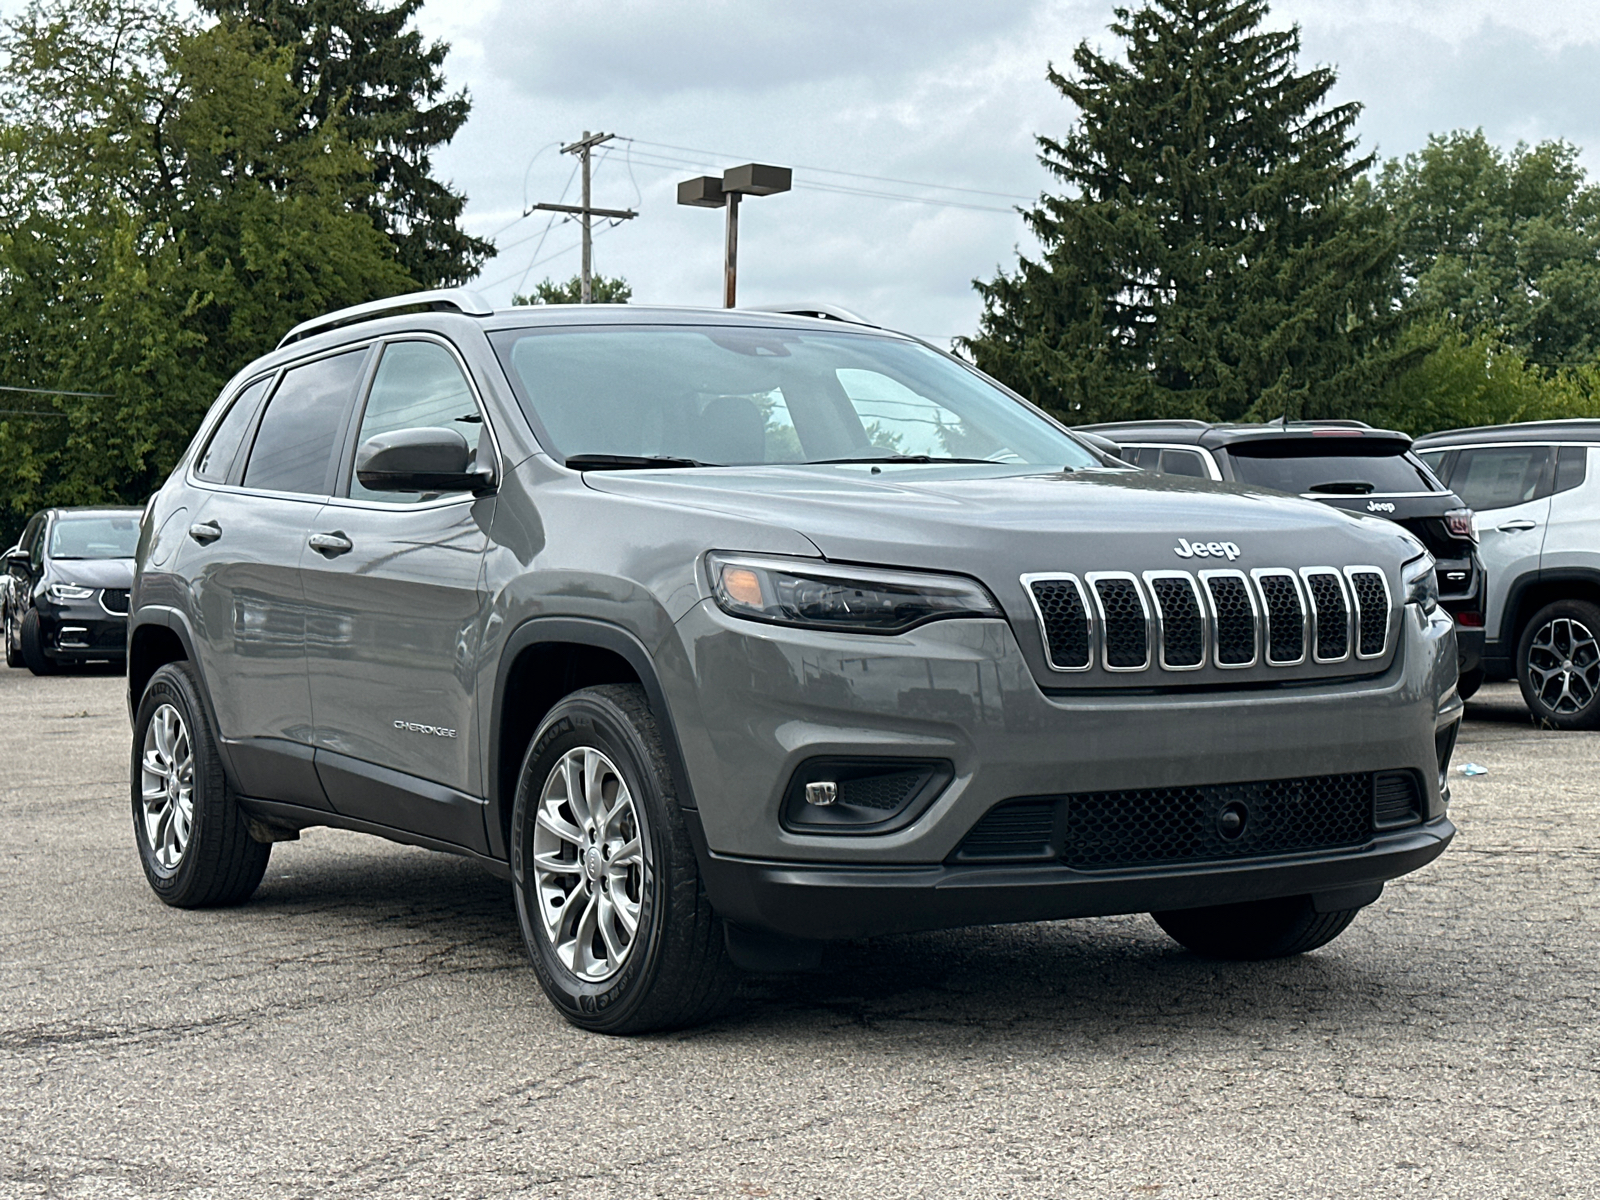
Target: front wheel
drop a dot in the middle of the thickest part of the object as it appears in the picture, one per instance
(1257, 929)
(606, 883)
(31, 638)
(194, 840)
(1558, 665)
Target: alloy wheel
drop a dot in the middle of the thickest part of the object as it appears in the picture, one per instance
(166, 769)
(1564, 665)
(590, 864)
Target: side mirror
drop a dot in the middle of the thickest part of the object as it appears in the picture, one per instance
(420, 460)
(15, 557)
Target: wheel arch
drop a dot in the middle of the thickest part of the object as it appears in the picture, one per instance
(1533, 592)
(545, 659)
(158, 636)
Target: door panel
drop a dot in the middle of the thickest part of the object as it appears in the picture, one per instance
(1509, 491)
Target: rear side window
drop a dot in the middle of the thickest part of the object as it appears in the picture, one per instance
(418, 386)
(294, 448)
(223, 447)
(1572, 463)
(1499, 476)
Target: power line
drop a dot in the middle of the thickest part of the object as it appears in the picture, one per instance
(54, 392)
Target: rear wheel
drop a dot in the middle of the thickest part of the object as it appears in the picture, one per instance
(1257, 929)
(605, 878)
(1469, 683)
(1558, 665)
(31, 638)
(194, 840)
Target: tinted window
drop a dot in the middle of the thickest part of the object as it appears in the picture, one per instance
(1499, 476)
(95, 537)
(1571, 466)
(294, 447)
(724, 395)
(1166, 462)
(1349, 474)
(418, 386)
(223, 447)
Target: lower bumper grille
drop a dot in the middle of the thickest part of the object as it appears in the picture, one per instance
(1104, 831)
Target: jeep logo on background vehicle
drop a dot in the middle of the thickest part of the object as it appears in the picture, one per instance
(665, 735)
(1383, 506)
(1187, 549)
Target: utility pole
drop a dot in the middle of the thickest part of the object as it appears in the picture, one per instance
(752, 179)
(583, 148)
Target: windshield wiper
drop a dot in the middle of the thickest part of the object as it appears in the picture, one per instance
(1343, 487)
(629, 462)
(898, 458)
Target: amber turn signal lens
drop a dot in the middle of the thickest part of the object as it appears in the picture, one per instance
(743, 585)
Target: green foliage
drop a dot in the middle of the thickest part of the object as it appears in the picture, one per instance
(601, 291)
(1216, 253)
(1505, 243)
(360, 67)
(162, 222)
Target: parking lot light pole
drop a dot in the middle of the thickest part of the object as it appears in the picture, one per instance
(707, 191)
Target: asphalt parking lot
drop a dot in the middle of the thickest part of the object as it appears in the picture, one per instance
(366, 1026)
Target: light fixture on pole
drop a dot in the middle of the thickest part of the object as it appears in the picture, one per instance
(752, 179)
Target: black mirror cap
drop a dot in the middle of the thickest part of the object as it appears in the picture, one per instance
(420, 460)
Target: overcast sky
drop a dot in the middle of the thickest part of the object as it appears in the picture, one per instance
(936, 92)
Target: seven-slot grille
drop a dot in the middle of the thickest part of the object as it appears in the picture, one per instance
(1179, 620)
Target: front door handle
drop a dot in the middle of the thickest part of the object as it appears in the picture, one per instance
(1516, 526)
(205, 532)
(331, 545)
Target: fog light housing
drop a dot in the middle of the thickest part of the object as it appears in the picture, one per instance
(861, 795)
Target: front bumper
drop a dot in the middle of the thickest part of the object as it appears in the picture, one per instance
(82, 632)
(815, 901)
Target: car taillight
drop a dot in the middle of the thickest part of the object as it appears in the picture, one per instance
(1459, 522)
(1471, 620)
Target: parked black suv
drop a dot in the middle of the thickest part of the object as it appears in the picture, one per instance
(1347, 464)
(66, 594)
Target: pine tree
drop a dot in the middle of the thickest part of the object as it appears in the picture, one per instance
(1216, 253)
(358, 59)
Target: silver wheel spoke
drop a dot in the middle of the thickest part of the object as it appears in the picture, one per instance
(589, 860)
(166, 786)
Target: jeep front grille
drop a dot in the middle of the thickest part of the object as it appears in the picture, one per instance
(1176, 621)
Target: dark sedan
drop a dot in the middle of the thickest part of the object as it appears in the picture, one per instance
(66, 599)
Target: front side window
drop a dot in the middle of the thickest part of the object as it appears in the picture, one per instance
(223, 447)
(294, 447)
(728, 396)
(418, 386)
(1499, 476)
(95, 537)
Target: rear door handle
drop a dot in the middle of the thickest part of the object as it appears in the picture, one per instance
(1516, 526)
(205, 532)
(331, 545)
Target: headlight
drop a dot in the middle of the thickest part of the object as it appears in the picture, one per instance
(1421, 584)
(60, 592)
(850, 599)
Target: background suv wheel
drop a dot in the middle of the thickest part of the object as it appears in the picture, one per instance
(31, 638)
(1558, 665)
(606, 883)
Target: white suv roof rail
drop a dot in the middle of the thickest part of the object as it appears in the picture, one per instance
(805, 308)
(458, 300)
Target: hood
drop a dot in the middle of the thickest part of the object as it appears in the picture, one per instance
(93, 572)
(999, 522)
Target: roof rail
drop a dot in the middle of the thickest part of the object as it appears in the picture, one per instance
(440, 300)
(805, 308)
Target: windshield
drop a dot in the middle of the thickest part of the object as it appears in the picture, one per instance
(728, 395)
(95, 537)
(1350, 474)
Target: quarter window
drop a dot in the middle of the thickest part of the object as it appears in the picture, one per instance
(294, 447)
(1499, 476)
(1571, 467)
(223, 447)
(418, 386)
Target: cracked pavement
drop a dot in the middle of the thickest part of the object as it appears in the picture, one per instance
(367, 1026)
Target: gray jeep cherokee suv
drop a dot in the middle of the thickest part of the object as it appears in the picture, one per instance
(722, 634)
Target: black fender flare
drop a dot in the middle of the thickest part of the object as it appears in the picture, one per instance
(177, 623)
(1509, 630)
(580, 631)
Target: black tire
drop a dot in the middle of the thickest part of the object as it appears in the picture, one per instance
(33, 651)
(1469, 683)
(220, 863)
(674, 971)
(13, 646)
(1255, 930)
(1558, 665)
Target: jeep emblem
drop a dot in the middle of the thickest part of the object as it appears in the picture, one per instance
(1187, 549)
(1379, 506)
